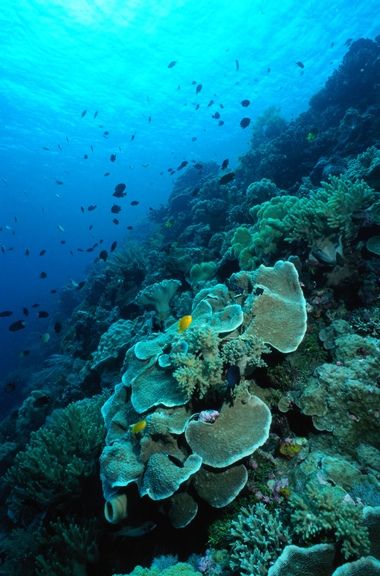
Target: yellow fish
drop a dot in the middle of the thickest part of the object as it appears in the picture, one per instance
(138, 426)
(184, 323)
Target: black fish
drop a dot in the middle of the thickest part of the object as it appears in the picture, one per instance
(62, 241)
(149, 119)
(116, 221)
(225, 164)
(135, 203)
(227, 178)
(182, 165)
(25, 311)
(103, 255)
(27, 252)
(85, 156)
(43, 252)
(129, 227)
(210, 103)
(90, 249)
(133, 136)
(43, 275)
(245, 103)
(43, 314)
(172, 63)
(113, 157)
(106, 134)
(300, 64)
(95, 113)
(244, 122)
(59, 182)
(194, 138)
(106, 173)
(24, 353)
(237, 65)
(119, 190)
(5, 313)
(221, 122)
(57, 327)
(216, 115)
(53, 291)
(198, 88)
(82, 209)
(197, 107)
(113, 246)
(15, 326)
(35, 305)
(115, 209)
(45, 148)
(91, 207)
(83, 114)
(90, 226)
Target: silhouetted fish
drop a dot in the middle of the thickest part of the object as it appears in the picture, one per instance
(245, 103)
(5, 313)
(115, 209)
(113, 157)
(43, 314)
(300, 64)
(83, 114)
(244, 122)
(91, 208)
(27, 252)
(113, 246)
(129, 227)
(237, 65)
(198, 88)
(227, 178)
(106, 173)
(135, 203)
(43, 252)
(172, 63)
(43, 275)
(59, 182)
(116, 221)
(216, 115)
(15, 326)
(182, 165)
(103, 255)
(57, 327)
(25, 311)
(225, 164)
(95, 113)
(106, 133)
(119, 190)
(85, 156)
(210, 103)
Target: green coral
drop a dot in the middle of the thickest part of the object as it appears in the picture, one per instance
(323, 514)
(179, 569)
(257, 538)
(58, 457)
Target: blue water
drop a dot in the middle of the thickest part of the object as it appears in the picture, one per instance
(62, 57)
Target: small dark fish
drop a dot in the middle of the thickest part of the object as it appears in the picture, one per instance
(91, 207)
(198, 166)
(216, 115)
(232, 376)
(45, 148)
(59, 147)
(210, 103)
(194, 138)
(149, 119)
(43, 252)
(43, 314)
(183, 164)
(113, 157)
(24, 353)
(5, 313)
(35, 305)
(195, 191)
(82, 209)
(43, 275)
(300, 64)
(221, 122)
(27, 252)
(62, 241)
(95, 113)
(269, 70)
(90, 249)
(245, 103)
(172, 63)
(198, 88)
(133, 136)
(90, 226)
(80, 249)
(197, 107)
(57, 327)
(106, 173)
(53, 291)
(227, 178)
(15, 326)
(135, 203)
(225, 164)
(103, 255)
(129, 227)
(116, 221)
(119, 190)
(81, 284)
(106, 134)
(115, 209)
(85, 156)
(25, 311)
(83, 114)
(237, 65)
(59, 182)
(113, 246)
(245, 122)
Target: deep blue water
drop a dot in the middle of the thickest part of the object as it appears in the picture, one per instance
(60, 58)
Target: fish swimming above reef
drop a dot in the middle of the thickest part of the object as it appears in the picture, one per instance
(15, 326)
(119, 190)
(184, 322)
(115, 209)
(135, 203)
(5, 313)
(224, 164)
(245, 122)
(138, 426)
(227, 178)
